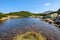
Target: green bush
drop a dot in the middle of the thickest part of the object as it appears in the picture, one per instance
(2, 15)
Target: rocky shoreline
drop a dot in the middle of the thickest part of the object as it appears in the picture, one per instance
(51, 22)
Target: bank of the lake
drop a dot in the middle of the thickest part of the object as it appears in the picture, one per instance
(8, 17)
(51, 22)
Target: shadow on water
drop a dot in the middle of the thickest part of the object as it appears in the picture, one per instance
(12, 27)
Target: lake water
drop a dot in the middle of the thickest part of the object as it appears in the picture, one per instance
(12, 27)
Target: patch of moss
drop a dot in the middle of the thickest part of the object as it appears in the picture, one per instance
(29, 36)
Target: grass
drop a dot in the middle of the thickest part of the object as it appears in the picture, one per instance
(29, 36)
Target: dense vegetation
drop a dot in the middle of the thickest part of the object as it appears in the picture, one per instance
(21, 13)
(58, 11)
(2, 15)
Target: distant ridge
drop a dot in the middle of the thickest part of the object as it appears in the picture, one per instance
(47, 12)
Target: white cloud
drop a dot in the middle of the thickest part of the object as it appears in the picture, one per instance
(47, 4)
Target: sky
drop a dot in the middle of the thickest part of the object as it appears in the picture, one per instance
(34, 6)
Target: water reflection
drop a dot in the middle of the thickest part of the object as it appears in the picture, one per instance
(22, 25)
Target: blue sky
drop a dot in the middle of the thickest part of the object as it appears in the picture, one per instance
(29, 5)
